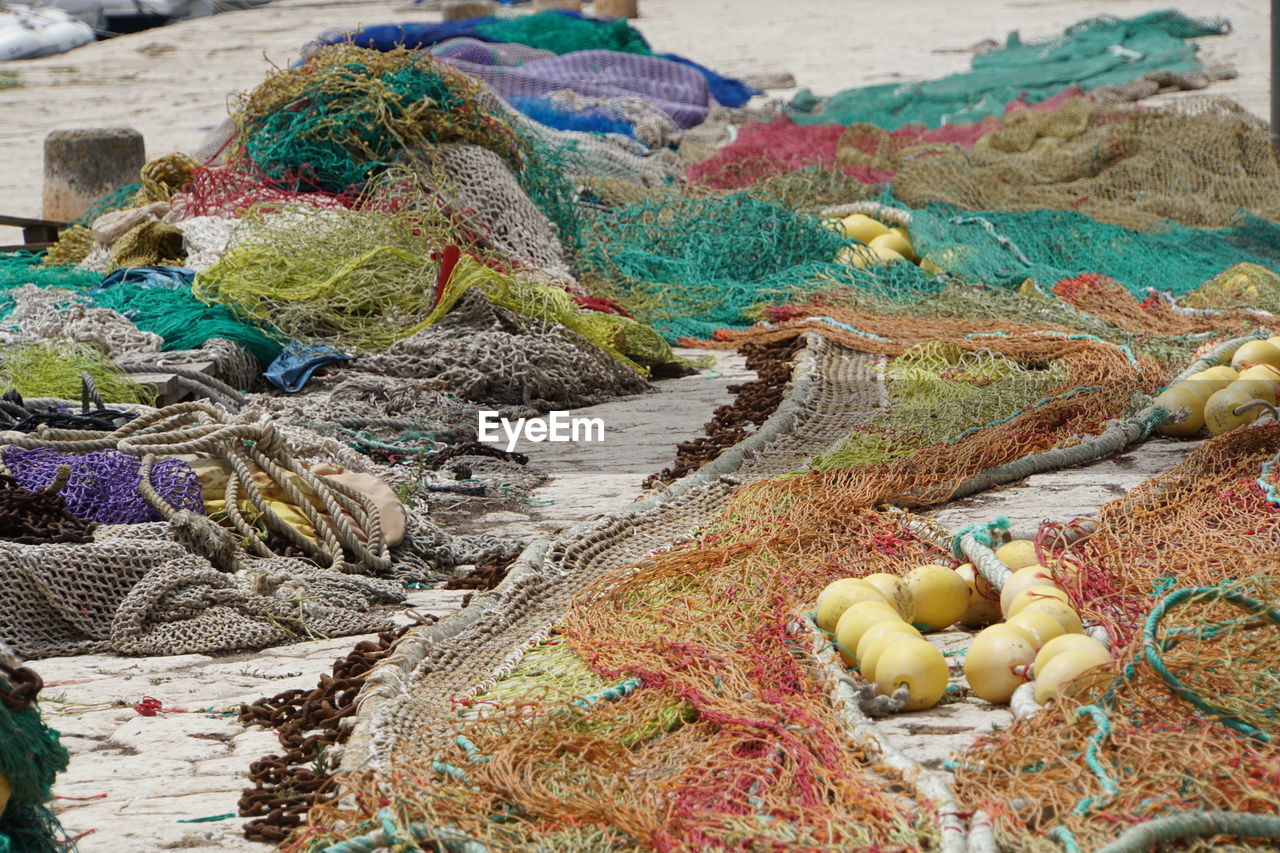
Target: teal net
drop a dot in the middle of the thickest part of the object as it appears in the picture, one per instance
(1049, 245)
(1098, 52)
(563, 34)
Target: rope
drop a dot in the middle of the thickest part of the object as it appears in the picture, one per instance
(198, 427)
(1151, 647)
(1147, 836)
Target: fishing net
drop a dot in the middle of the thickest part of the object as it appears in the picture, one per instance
(55, 369)
(30, 757)
(103, 485)
(482, 351)
(1196, 163)
(349, 113)
(1181, 571)
(1050, 245)
(705, 698)
(690, 266)
(361, 280)
(1099, 52)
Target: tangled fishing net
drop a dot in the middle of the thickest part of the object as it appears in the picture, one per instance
(30, 757)
(1102, 51)
(348, 113)
(1196, 163)
(1180, 572)
(55, 369)
(103, 485)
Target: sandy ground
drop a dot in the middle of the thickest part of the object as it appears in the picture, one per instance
(144, 775)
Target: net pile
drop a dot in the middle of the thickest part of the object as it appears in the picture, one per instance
(1181, 571)
(30, 757)
(865, 151)
(1099, 52)
(691, 665)
(103, 485)
(1196, 163)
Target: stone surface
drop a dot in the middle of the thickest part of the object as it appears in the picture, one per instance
(84, 164)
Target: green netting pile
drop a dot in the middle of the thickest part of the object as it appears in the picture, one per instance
(692, 266)
(563, 34)
(22, 268)
(1093, 53)
(30, 757)
(184, 321)
(1048, 245)
(349, 113)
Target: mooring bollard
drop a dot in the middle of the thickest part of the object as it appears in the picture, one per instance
(617, 8)
(81, 166)
(458, 10)
(544, 5)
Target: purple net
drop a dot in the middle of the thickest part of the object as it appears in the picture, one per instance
(104, 484)
(678, 90)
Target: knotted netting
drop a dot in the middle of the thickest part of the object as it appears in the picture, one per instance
(1181, 571)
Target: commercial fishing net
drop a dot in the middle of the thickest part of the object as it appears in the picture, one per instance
(349, 113)
(31, 756)
(1103, 51)
(1196, 163)
(702, 677)
(1181, 571)
(1005, 248)
(55, 369)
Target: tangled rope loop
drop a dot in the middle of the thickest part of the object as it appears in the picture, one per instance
(242, 445)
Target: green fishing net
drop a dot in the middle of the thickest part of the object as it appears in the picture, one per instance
(348, 113)
(1049, 245)
(184, 321)
(693, 265)
(54, 368)
(563, 34)
(1103, 51)
(30, 757)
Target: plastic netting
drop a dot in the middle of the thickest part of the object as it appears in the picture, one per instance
(103, 486)
(30, 757)
(1182, 571)
(1199, 162)
(54, 369)
(348, 113)
(1098, 52)
(707, 726)
(865, 151)
(1048, 245)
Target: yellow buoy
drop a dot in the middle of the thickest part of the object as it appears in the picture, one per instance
(1035, 627)
(862, 228)
(1185, 407)
(875, 632)
(1220, 411)
(990, 660)
(1071, 671)
(941, 596)
(896, 242)
(1064, 613)
(1037, 593)
(839, 596)
(1067, 642)
(1023, 579)
(1018, 554)
(853, 624)
(1256, 352)
(895, 591)
(916, 664)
